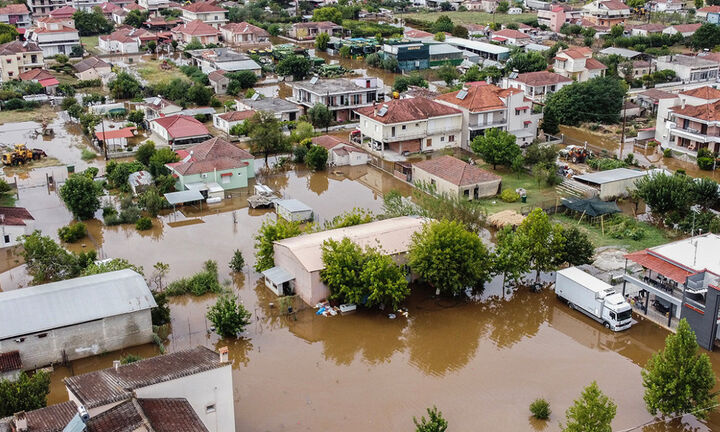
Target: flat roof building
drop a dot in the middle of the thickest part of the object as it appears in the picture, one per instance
(612, 183)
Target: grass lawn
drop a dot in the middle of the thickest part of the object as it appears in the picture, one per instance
(471, 17)
(90, 43)
(45, 111)
(150, 71)
(536, 193)
(653, 235)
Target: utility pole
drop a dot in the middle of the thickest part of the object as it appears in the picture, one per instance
(622, 140)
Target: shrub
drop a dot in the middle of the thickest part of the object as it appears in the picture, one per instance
(200, 283)
(540, 409)
(667, 153)
(237, 262)
(72, 233)
(87, 155)
(144, 223)
(229, 316)
(130, 215)
(130, 358)
(509, 195)
(623, 227)
(603, 164)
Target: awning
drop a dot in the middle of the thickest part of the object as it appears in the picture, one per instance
(183, 197)
(667, 269)
(277, 275)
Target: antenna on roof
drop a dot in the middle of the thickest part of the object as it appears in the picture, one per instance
(255, 96)
(462, 94)
(313, 80)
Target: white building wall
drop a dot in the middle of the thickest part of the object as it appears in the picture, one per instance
(663, 114)
(309, 288)
(82, 340)
(10, 233)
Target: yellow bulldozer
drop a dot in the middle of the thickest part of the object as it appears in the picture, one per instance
(21, 154)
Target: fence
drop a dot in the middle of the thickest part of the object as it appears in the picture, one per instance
(549, 207)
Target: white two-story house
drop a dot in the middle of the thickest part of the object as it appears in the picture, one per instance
(578, 64)
(341, 95)
(54, 35)
(207, 12)
(409, 126)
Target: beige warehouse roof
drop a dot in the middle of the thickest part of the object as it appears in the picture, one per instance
(392, 236)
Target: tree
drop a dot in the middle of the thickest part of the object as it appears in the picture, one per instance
(449, 257)
(442, 24)
(266, 134)
(705, 159)
(27, 393)
(699, 4)
(91, 23)
(448, 73)
(439, 36)
(384, 282)
(496, 146)
(502, 7)
(242, 79)
(578, 248)
(151, 201)
(550, 124)
(328, 13)
(316, 158)
(706, 193)
(542, 241)
(679, 379)
(199, 95)
(137, 117)
(145, 151)
(46, 260)
(434, 423)
(228, 316)
(268, 233)
(707, 36)
(320, 116)
(152, 46)
(80, 195)
(445, 6)
(8, 33)
(114, 264)
(523, 62)
(237, 263)
(666, 194)
(125, 86)
(460, 31)
(356, 216)
(511, 258)
(592, 412)
(194, 44)
(321, 41)
(297, 66)
(136, 18)
(597, 100)
(158, 160)
(402, 82)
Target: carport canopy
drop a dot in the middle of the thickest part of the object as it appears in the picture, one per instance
(182, 197)
(277, 275)
(593, 207)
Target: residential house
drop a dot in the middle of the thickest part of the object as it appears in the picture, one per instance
(140, 181)
(341, 95)
(125, 40)
(691, 128)
(223, 59)
(651, 99)
(689, 68)
(119, 15)
(606, 13)
(557, 16)
(538, 85)
(702, 13)
(154, 6)
(203, 33)
(226, 121)
(213, 161)
(108, 8)
(155, 107)
(119, 318)
(667, 6)
(665, 103)
(644, 29)
(578, 64)
(681, 279)
(510, 37)
(42, 77)
(17, 15)
(452, 177)
(341, 153)
(485, 106)
(686, 30)
(477, 30)
(199, 376)
(410, 55)
(14, 223)
(114, 139)
(10, 367)
(161, 23)
(409, 126)
(218, 81)
(54, 36)
(17, 57)
(636, 69)
(310, 30)
(43, 8)
(245, 34)
(206, 11)
(284, 110)
(298, 260)
(86, 5)
(92, 68)
(65, 12)
(179, 129)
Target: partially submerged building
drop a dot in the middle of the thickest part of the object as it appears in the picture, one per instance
(53, 323)
(452, 177)
(14, 222)
(179, 130)
(300, 258)
(341, 95)
(341, 153)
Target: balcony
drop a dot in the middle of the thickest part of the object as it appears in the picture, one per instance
(692, 134)
(485, 125)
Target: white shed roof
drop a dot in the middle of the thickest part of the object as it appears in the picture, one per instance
(292, 205)
(73, 301)
(391, 236)
(476, 45)
(609, 176)
(184, 196)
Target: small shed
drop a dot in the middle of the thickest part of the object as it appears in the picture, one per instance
(293, 210)
(140, 181)
(279, 280)
(612, 183)
(184, 197)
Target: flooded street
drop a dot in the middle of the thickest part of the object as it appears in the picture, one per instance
(481, 363)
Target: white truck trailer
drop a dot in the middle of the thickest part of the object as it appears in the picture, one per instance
(594, 298)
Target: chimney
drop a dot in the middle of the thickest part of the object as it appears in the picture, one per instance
(116, 364)
(20, 420)
(375, 108)
(682, 105)
(223, 351)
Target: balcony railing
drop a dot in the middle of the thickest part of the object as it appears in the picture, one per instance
(497, 123)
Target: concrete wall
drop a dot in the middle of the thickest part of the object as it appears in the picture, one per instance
(617, 188)
(11, 233)
(82, 340)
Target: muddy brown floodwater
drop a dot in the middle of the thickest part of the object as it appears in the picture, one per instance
(481, 362)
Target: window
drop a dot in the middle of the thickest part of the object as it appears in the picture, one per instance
(442, 139)
(42, 335)
(392, 131)
(433, 182)
(404, 127)
(7, 238)
(451, 138)
(428, 142)
(210, 408)
(226, 180)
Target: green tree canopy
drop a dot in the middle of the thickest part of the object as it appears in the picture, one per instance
(125, 86)
(161, 157)
(592, 412)
(442, 24)
(531, 61)
(47, 261)
(316, 158)
(542, 241)
(136, 18)
(145, 151)
(449, 257)
(511, 259)
(320, 116)
(666, 194)
(404, 81)
(81, 196)
(269, 232)
(321, 41)
(297, 66)
(496, 147)
(707, 36)
(578, 248)
(434, 423)
(91, 23)
(266, 134)
(27, 393)
(229, 316)
(8, 33)
(328, 13)
(448, 73)
(597, 100)
(679, 379)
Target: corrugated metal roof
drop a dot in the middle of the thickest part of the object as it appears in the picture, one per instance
(609, 176)
(278, 275)
(73, 301)
(183, 196)
(293, 205)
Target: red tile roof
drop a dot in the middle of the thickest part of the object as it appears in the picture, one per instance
(576, 53)
(656, 264)
(686, 28)
(16, 47)
(210, 155)
(615, 5)
(51, 419)
(108, 7)
(200, 7)
(541, 78)
(317, 24)
(328, 141)
(594, 64)
(657, 94)
(511, 34)
(705, 92)
(171, 415)
(10, 361)
(65, 11)
(234, 116)
(119, 133)
(133, 6)
(14, 215)
(715, 9)
(62, 29)
(707, 112)
(14, 9)
(407, 110)
(217, 75)
(481, 96)
(196, 28)
(35, 74)
(418, 34)
(455, 171)
(245, 28)
(181, 126)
